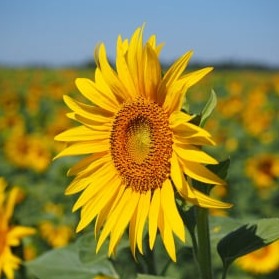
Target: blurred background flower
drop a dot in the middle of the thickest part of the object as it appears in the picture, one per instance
(10, 235)
(261, 261)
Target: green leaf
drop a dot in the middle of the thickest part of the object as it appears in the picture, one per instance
(72, 262)
(87, 248)
(221, 169)
(145, 276)
(248, 238)
(220, 226)
(208, 108)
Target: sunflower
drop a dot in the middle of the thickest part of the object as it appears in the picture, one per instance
(263, 169)
(56, 235)
(28, 151)
(141, 148)
(10, 236)
(262, 261)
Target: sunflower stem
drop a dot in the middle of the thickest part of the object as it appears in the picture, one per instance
(195, 247)
(224, 274)
(204, 251)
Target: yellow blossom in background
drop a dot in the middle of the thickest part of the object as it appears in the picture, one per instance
(276, 83)
(235, 88)
(256, 116)
(231, 106)
(10, 102)
(263, 169)
(141, 148)
(231, 144)
(29, 252)
(261, 261)
(55, 235)
(28, 151)
(52, 230)
(54, 209)
(12, 123)
(10, 235)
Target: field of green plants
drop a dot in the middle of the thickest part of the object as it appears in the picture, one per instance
(245, 125)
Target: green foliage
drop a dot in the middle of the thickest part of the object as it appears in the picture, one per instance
(145, 276)
(248, 238)
(208, 108)
(244, 125)
(77, 260)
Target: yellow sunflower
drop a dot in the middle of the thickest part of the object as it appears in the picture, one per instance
(261, 261)
(141, 147)
(10, 236)
(263, 169)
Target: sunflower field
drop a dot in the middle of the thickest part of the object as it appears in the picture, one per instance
(244, 124)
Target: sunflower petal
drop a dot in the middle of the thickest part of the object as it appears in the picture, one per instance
(155, 47)
(189, 129)
(177, 90)
(18, 232)
(173, 73)
(123, 69)
(99, 180)
(77, 185)
(178, 179)
(110, 76)
(195, 139)
(81, 133)
(92, 208)
(113, 218)
(83, 164)
(108, 209)
(179, 117)
(90, 112)
(101, 84)
(123, 220)
(152, 72)
(194, 154)
(134, 58)
(170, 210)
(132, 233)
(166, 234)
(153, 217)
(200, 173)
(92, 124)
(192, 78)
(83, 148)
(143, 208)
(208, 202)
(89, 91)
(10, 204)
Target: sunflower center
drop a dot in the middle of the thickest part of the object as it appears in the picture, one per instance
(139, 139)
(141, 145)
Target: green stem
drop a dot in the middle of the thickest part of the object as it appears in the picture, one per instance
(204, 251)
(195, 247)
(224, 274)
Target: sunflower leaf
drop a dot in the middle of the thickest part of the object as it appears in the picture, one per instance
(221, 169)
(67, 262)
(145, 276)
(247, 238)
(208, 108)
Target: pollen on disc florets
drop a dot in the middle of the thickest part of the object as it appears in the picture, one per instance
(141, 145)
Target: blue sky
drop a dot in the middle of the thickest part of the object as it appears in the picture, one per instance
(64, 32)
